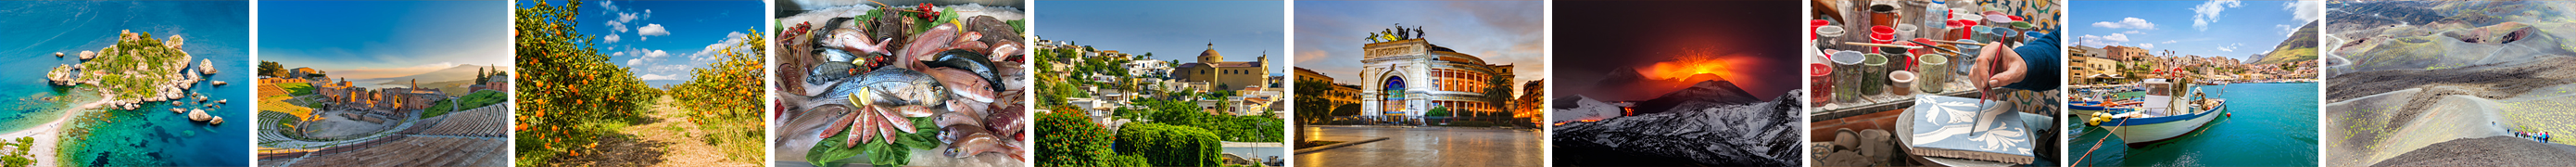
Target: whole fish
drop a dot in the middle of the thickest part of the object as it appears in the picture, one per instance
(971, 62)
(883, 86)
(967, 42)
(964, 84)
(830, 72)
(853, 40)
(976, 142)
(835, 127)
(929, 42)
(995, 29)
(958, 119)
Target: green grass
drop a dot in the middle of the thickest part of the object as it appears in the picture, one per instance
(296, 88)
(475, 100)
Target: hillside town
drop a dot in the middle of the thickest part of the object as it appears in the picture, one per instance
(1238, 102)
(2111, 64)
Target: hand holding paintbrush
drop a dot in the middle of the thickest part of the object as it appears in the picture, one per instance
(1997, 65)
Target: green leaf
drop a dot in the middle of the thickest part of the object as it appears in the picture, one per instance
(927, 138)
(889, 155)
(1020, 26)
(831, 149)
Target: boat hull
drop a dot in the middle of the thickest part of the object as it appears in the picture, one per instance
(2090, 107)
(2144, 130)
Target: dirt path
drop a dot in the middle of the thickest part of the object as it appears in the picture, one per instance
(683, 145)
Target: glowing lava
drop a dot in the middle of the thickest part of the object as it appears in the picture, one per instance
(1690, 63)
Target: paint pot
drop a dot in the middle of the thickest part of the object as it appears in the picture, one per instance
(1967, 59)
(1818, 23)
(1831, 34)
(1906, 31)
(1820, 78)
(2031, 36)
(1935, 13)
(1934, 70)
(1983, 33)
(1901, 81)
(1882, 14)
(1996, 18)
(2022, 25)
(1875, 67)
(1847, 74)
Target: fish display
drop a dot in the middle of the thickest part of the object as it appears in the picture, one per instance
(875, 75)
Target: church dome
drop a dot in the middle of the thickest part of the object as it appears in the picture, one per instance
(1210, 55)
(1211, 51)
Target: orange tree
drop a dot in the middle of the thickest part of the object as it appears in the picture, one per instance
(723, 99)
(564, 83)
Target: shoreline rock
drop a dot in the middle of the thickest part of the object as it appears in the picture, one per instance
(197, 115)
(204, 67)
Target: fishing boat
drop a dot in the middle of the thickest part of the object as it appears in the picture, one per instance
(2164, 115)
(2102, 100)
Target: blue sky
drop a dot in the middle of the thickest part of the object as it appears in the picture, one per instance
(662, 40)
(1172, 30)
(2228, 28)
(371, 39)
(1501, 32)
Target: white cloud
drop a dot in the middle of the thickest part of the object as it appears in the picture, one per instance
(617, 26)
(2230, 47)
(610, 5)
(2304, 11)
(2169, 41)
(2147, 46)
(612, 38)
(2132, 22)
(633, 62)
(2093, 40)
(625, 17)
(649, 30)
(2208, 12)
(708, 54)
(656, 54)
(658, 77)
(2132, 32)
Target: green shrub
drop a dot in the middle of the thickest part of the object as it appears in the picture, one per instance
(1170, 145)
(1128, 161)
(1066, 138)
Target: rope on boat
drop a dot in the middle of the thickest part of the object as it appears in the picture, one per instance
(2097, 144)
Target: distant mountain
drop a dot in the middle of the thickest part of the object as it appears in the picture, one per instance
(459, 72)
(2302, 46)
(1753, 133)
(1582, 108)
(1707, 93)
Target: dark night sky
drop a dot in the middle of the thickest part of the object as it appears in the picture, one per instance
(1759, 37)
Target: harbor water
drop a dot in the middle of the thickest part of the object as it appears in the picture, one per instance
(2274, 124)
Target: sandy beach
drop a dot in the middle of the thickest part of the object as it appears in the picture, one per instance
(49, 135)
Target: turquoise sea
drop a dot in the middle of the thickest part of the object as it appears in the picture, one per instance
(2275, 124)
(151, 136)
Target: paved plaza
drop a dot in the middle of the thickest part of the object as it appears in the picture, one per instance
(1427, 146)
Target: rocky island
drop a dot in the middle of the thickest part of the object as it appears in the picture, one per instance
(137, 69)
